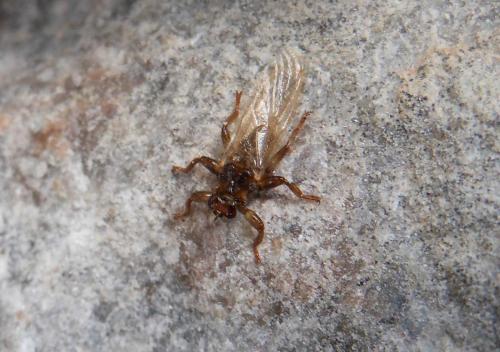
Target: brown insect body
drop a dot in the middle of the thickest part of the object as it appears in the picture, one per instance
(234, 184)
(261, 137)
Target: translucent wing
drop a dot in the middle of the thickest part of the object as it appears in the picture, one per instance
(264, 123)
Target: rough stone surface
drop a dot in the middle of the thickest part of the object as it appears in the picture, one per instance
(99, 98)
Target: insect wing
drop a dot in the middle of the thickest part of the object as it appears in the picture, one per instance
(264, 124)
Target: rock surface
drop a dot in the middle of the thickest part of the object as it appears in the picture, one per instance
(98, 99)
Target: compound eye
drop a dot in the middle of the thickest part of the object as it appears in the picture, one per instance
(231, 212)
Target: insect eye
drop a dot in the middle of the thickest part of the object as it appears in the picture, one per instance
(231, 212)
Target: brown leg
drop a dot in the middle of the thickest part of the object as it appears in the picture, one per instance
(275, 181)
(257, 224)
(286, 149)
(209, 163)
(195, 197)
(225, 132)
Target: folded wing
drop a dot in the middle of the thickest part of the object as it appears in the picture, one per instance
(266, 119)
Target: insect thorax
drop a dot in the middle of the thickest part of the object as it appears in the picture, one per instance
(234, 179)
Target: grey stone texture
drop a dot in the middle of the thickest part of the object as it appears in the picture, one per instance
(98, 99)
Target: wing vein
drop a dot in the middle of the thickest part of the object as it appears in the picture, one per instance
(265, 122)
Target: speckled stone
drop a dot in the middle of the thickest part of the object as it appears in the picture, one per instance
(98, 99)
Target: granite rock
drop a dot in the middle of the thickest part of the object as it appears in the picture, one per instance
(98, 99)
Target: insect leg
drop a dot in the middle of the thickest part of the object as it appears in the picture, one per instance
(275, 181)
(209, 163)
(195, 197)
(257, 224)
(234, 115)
(280, 154)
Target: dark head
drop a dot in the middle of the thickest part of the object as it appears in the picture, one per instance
(222, 205)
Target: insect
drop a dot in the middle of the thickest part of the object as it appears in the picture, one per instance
(256, 137)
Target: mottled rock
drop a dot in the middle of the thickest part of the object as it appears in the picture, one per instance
(99, 98)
